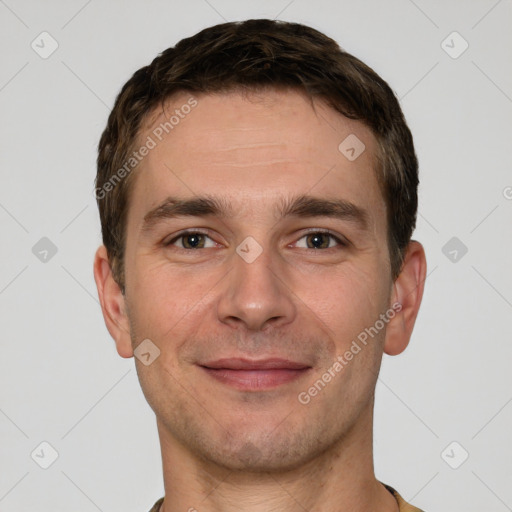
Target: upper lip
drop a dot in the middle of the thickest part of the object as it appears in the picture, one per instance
(238, 363)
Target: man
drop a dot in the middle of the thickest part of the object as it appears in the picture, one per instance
(257, 189)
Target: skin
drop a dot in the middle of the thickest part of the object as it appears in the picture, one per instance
(221, 446)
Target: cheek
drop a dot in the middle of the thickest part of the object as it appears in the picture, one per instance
(158, 286)
(347, 300)
(156, 302)
(169, 302)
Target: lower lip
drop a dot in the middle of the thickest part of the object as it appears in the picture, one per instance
(255, 380)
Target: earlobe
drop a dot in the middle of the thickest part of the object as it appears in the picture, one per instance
(112, 303)
(408, 292)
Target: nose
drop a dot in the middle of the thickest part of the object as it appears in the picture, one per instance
(255, 295)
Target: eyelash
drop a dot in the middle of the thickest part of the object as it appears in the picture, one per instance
(340, 241)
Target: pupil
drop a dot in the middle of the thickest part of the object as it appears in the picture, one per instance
(317, 241)
(192, 240)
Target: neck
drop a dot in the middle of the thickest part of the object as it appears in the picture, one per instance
(339, 479)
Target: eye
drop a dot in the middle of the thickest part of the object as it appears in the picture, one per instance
(319, 240)
(191, 240)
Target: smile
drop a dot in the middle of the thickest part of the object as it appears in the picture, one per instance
(260, 375)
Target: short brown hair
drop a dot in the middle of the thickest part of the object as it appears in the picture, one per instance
(252, 55)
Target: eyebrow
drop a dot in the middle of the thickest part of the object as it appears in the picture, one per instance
(303, 206)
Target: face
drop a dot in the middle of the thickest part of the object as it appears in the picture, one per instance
(252, 291)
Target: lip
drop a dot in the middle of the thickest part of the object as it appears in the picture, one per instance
(239, 363)
(255, 375)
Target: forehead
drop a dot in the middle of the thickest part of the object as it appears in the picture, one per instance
(252, 149)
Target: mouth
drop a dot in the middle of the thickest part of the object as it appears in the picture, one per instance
(255, 375)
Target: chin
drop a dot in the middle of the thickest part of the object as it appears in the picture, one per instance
(264, 455)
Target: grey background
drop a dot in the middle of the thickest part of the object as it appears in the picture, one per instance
(61, 380)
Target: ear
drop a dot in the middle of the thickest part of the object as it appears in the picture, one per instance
(407, 294)
(112, 303)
